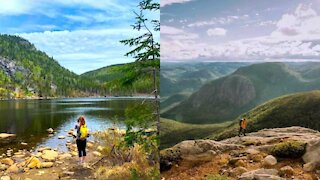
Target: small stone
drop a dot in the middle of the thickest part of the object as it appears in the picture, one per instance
(33, 162)
(13, 169)
(6, 135)
(66, 173)
(7, 161)
(39, 154)
(46, 164)
(270, 161)
(64, 156)
(89, 144)
(309, 167)
(50, 130)
(3, 167)
(61, 137)
(256, 157)
(96, 153)
(240, 163)
(49, 155)
(68, 141)
(286, 170)
(238, 171)
(100, 148)
(24, 144)
(5, 178)
(252, 151)
(44, 148)
(73, 153)
(40, 173)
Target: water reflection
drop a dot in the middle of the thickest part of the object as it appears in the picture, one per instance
(29, 119)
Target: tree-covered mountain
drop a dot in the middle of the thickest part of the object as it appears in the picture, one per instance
(180, 80)
(300, 109)
(227, 97)
(113, 78)
(26, 71)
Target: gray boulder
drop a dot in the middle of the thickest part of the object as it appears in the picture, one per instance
(312, 155)
(261, 174)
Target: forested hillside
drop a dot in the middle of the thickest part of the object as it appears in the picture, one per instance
(116, 79)
(26, 71)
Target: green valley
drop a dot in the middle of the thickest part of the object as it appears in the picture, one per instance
(227, 97)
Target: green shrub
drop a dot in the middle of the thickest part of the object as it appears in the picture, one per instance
(289, 149)
(216, 177)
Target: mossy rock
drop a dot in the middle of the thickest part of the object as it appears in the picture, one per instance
(249, 143)
(168, 158)
(289, 149)
(216, 177)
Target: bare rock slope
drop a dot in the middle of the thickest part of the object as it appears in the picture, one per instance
(278, 153)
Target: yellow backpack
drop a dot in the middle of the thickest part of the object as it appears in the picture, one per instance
(83, 132)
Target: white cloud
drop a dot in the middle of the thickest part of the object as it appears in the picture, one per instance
(296, 36)
(168, 2)
(72, 48)
(267, 23)
(47, 7)
(217, 32)
(14, 7)
(218, 21)
(170, 30)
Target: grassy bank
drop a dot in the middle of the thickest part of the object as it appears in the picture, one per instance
(173, 132)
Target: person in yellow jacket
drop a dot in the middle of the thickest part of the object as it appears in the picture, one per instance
(243, 126)
(81, 138)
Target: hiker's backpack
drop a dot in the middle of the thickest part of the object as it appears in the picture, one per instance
(83, 132)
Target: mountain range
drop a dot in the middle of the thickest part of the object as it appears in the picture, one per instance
(226, 98)
(180, 80)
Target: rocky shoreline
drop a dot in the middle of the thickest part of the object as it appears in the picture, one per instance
(47, 162)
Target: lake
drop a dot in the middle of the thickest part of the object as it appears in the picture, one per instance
(29, 119)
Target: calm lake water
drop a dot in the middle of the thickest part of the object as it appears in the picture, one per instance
(29, 119)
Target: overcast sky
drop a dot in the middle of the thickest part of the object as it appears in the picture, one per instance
(240, 30)
(81, 35)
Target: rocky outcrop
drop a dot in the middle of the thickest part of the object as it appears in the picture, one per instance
(270, 136)
(11, 67)
(312, 155)
(269, 154)
(203, 149)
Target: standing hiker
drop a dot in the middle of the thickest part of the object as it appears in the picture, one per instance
(243, 125)
(82, 134)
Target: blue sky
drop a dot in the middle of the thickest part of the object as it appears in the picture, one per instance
(240, 30)
(82, 35)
